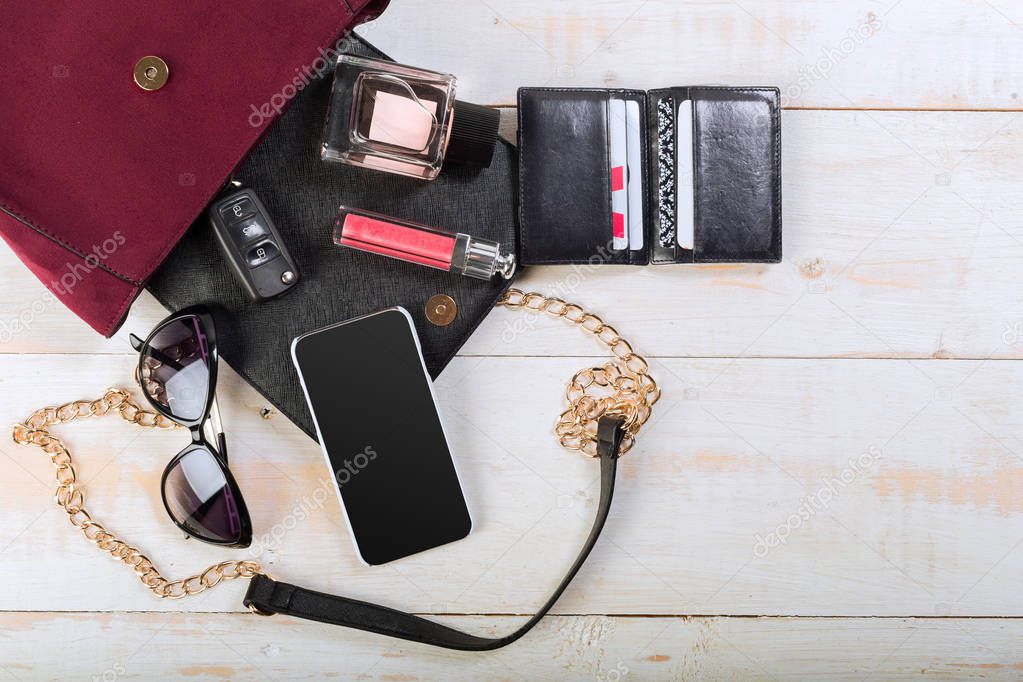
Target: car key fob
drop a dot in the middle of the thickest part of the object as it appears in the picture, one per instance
(252, 245)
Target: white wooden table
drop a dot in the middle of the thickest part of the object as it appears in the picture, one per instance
(831, 488)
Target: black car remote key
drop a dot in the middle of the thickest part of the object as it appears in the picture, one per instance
(249, 240)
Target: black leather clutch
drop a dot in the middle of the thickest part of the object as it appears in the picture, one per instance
(730, 136)
(302, 194)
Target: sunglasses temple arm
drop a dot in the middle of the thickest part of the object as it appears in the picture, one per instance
(218, 428)
(222, 444)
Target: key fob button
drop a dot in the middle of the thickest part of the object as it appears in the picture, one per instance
(249, 230)
(262, 253)
(238, 210)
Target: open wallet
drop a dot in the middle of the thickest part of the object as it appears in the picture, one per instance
(678, 175)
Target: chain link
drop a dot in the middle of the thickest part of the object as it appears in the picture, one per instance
(71, 498)
(621, 387)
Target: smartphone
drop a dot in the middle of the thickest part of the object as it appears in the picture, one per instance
(377, 420)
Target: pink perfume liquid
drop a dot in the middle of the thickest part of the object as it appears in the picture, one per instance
(403, 120)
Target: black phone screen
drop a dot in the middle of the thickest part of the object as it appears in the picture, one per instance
(374, 409)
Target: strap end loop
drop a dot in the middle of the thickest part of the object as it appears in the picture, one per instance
(259, 595)
(609, 436)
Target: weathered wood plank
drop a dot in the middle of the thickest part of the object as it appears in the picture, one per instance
(830, 53)
(243, 646)
(777, 487)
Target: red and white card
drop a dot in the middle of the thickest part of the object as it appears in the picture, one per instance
(619, 155)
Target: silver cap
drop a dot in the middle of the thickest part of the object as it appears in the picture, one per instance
(481, 258)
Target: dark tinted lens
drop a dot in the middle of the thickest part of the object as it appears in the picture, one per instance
(199, 498)
(175, 370)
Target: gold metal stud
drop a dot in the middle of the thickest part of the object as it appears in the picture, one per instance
(151, 73)
(441, 310)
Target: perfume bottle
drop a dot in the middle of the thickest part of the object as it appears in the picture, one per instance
(414, 243)
(403, 120)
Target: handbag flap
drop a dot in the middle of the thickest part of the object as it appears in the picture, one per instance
(101, 176)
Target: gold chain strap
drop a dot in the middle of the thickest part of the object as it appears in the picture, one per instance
(620, 387)
(71, 497)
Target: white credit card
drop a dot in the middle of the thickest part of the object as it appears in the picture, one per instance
(685, 201)
(634, 176)
(619, 155)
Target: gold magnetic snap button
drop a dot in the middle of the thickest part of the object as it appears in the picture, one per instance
(151, 73)
(441, 310)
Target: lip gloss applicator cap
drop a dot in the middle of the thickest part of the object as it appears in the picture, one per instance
(481, 258)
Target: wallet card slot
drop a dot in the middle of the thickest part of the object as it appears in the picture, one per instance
(686, 178)
(565, 177)
(638, 172)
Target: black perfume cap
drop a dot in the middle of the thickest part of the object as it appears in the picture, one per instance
(473, 134)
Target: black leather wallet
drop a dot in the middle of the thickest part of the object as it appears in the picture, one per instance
(565, 179)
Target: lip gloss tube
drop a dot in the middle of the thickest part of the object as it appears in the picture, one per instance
(415, 243)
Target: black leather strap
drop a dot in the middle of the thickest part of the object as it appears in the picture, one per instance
(268, 596)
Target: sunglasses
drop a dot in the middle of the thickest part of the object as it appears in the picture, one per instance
(177, 372)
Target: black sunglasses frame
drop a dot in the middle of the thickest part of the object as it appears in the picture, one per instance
(218, 450)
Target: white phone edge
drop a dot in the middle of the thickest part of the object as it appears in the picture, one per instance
(323, 447)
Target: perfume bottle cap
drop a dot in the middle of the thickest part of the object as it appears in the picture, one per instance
(473, 134)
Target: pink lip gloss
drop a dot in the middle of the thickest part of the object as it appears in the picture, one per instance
(414, 243)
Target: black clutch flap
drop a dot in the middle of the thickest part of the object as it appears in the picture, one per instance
(303, 194)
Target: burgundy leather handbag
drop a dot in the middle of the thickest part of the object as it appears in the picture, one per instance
(122, 120)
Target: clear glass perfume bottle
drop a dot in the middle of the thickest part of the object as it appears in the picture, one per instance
(403, 120)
